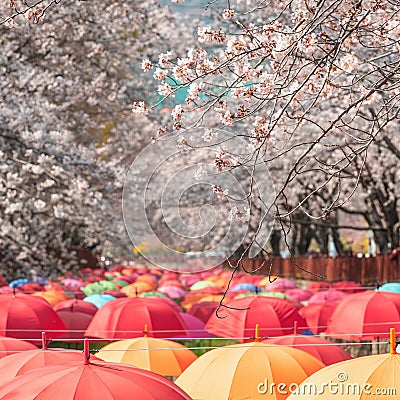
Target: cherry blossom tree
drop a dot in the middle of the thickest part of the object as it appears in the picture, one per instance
(312, 85)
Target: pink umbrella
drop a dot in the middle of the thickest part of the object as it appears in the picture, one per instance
(298, 294)
(196, 327)
(172, 291)
(281, 285)
(203, 310)
(326, 295)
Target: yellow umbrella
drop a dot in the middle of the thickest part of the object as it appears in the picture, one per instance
(163, 357)
(246, 372)
(364, 378)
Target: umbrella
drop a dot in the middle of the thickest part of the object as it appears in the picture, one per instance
(76, 323)
(20, 363)
(326, 295)
(161, 356)
(98, 287)
(348, 287)
(275, 317)
(241, 372)
(26, 317)
(201, 285)
(196, 327)
(134, 289)
(99, 299)
(315, 287)
(71, 283)
(326, 351)
(153, 293)
(298, 294)
(317, 315)
(11, 346)
(174, 292)
(245, 286)
(281, 285)
(76, 305)
(126, 318)
(18, 282)
(91, 380)
(267, 280)
(203, 310)
(393, 287)
(367, 315)
(53, 297)
(369, 377)
(114, 293)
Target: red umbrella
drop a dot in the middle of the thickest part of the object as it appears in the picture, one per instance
(367, 315)
(76, 305)
(315, 287)
(76, 323)
(326, 295)
(91, 380)
(26, 317)
(115, 293)
(317, 315)
(127, 317)
(348, 287)
(326, 351)
(196, 327)
(10, 346)
(21, 363)
(274, 316)
(203, 310)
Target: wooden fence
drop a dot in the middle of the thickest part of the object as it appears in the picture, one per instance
(365, 270)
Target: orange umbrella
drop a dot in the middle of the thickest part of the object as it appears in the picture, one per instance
(195, 298)
(244, 371)
(136, 288)
(364, 378)
(148, 278)
(161, 356)
(52, 296)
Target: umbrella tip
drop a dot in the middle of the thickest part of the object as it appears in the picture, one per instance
(393, 343)
(295, 326)
(44, 341)
(145, 330)
(257, 333)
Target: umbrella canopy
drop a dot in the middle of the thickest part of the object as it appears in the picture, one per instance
(318, 315)
(203, 310)
(76, 323)
(245, 286)
(281, 285)
(326, 295)
(20, 363)
(161, 356)
(240, 372)
(327, 352)
(76, 305)
(134, 289)
(126, 318)
(53, 296)
(370, 377)
(196, 327)
(367, 315)
(393, 287)
(95, 380)
(299, 294)
(71, 283)
(10, 346)
(316, 287)
(348, 287)
(275, 317)
(98, 287)
(26, 317)
(99, 300)
(174, 292)
(201, 285)
(153, 293)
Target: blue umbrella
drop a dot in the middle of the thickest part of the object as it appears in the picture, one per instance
(18, 282)
(393, 287)
(245, 286)
(99, 299)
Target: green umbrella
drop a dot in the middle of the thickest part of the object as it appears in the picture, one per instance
(201, 285)
(152, 294)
